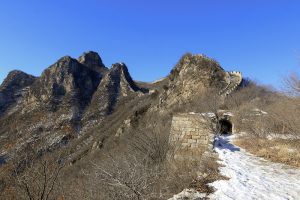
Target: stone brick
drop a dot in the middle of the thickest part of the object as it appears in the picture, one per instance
(189, 136)
(195, 137)
(200, 141)
(185, 140)
(186, 145)
(203, 137)
(193, 132)
(186, 129)
(192, 141)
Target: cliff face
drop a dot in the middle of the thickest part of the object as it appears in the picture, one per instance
(192, 75)
(116, 84)
(65, 84)
(13, 88)
(74, 101)
(93, 61)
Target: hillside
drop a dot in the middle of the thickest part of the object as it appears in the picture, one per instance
(79, 104)
(95, 133)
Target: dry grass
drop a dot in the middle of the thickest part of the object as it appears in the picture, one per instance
(209, 173)
(276, 150)
(196, 174)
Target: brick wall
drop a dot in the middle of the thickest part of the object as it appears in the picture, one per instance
(190, 136)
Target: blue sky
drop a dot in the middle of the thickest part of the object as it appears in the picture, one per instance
(260, 38)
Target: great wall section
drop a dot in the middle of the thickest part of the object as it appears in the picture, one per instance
(192, 134)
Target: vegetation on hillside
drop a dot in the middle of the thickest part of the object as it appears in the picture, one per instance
(125, 154)
(269, 121)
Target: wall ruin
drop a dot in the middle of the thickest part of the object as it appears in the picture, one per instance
(190, 136)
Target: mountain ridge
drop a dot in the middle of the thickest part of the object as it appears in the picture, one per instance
(74, 96)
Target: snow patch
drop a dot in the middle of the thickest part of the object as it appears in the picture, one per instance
(188, 194)
(159, 80)
(209, 114)
(252, 177)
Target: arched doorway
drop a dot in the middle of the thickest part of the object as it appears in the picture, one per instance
(225, 126)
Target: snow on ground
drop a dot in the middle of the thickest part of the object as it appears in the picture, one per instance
(188, 194)
(252, 177)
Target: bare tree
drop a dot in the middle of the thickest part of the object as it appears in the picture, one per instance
(127, 177)
(209, 105)
(284, 115)
(151, 138)
(292, 84)
(37, 178)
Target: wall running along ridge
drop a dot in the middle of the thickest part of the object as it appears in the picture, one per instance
(235, 79)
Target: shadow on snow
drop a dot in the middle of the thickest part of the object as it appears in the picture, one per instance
(222, 142)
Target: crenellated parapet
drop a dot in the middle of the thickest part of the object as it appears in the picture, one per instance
(234, 79)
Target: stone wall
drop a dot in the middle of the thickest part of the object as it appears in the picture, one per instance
(234, 80)
(190, 136)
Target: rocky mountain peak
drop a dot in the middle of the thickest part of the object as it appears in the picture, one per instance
(117, 84)
(121, 71)
(17, 80)
(192, 75)
(11, 90)
(93, 61)
(198, 67)
(119, 66)
(67, 81)
(66, 63)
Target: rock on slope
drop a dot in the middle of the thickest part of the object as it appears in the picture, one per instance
(66, 84)
(13, 88)
(192, 75)
(116, 84)
(93, 61)
(52, 106)
(74, 99)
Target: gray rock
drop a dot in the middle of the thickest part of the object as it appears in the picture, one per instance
(66, 83)
(11, 88)
(93, 61)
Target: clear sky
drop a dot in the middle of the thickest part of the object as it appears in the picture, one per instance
(260, 38)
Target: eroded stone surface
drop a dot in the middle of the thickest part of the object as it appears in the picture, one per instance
(190, 135)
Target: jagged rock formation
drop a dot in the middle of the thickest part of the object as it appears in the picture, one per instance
(13, 88)
(116, 84)
(81, 103)
(57, 105)
(192, 75)
(66, 84)
(85, 110)
(93, 61)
